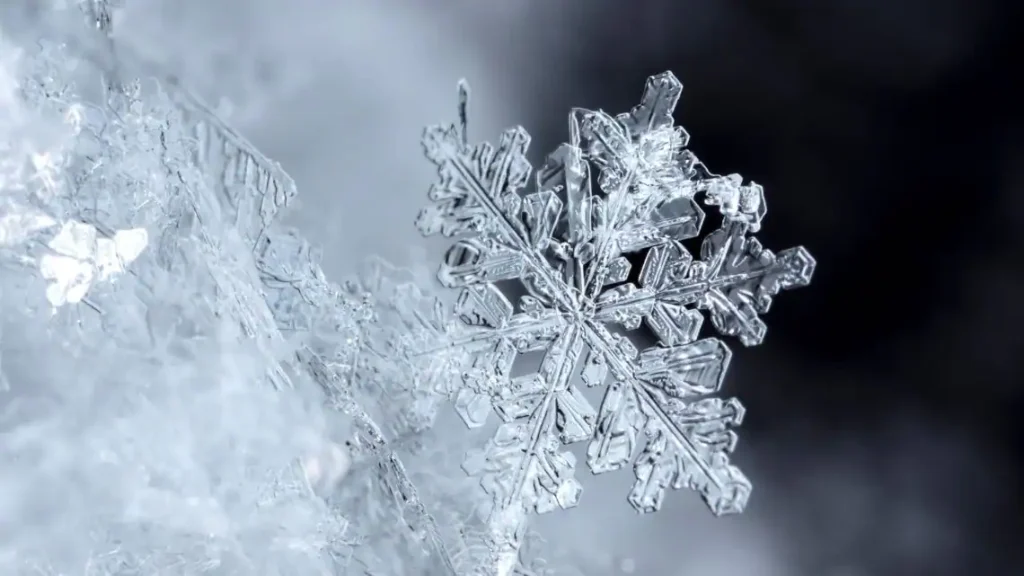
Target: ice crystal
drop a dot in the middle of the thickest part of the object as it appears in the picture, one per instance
(599, 249)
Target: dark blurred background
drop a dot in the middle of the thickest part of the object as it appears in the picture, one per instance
(881, 430)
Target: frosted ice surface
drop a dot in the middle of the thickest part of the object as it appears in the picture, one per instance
(598, 247)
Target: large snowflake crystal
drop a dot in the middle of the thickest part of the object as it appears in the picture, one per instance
(598, 248)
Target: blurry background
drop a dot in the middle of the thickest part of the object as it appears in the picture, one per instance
(881, 430)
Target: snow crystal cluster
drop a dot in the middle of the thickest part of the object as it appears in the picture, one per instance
(185, 392)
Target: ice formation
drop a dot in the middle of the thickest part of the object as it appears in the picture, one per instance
(186, 392)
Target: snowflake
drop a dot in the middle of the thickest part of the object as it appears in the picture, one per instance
(622, 192)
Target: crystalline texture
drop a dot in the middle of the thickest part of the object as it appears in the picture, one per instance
(623, 190)
(159, 449)
(155, 180)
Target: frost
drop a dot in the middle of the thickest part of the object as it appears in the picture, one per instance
(159, 421)
(599, 250)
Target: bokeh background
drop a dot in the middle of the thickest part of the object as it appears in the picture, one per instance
(882, 428)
